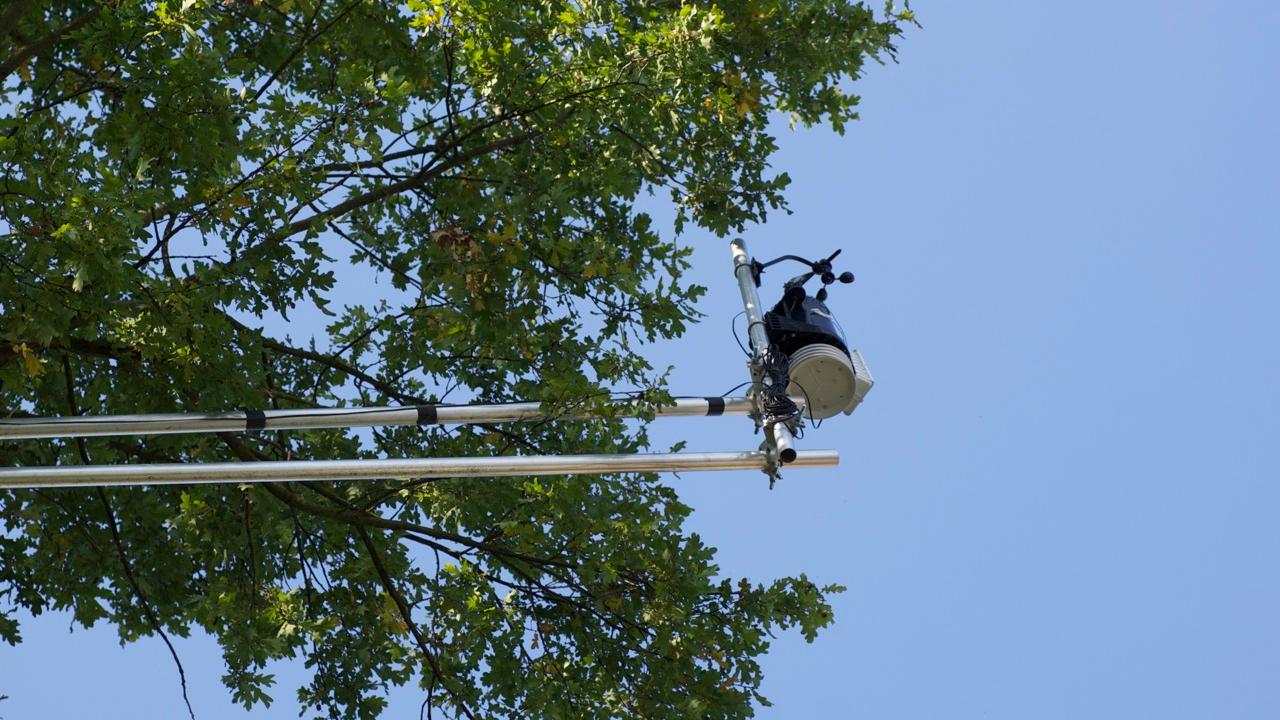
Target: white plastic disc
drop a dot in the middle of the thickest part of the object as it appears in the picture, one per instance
(824, 376)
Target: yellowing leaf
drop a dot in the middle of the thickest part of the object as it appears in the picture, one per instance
(30, 360)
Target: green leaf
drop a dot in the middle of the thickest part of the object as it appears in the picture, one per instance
(464, 176)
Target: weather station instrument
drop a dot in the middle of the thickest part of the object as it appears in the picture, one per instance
(800, 363)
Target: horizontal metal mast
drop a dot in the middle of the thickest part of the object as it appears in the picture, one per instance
(413, 468)
(314, 418)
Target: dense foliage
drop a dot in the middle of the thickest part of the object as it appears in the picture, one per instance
(180, 179)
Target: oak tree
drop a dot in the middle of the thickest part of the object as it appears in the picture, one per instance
(453, 185)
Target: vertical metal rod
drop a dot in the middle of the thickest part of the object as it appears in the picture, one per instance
(784, 441)
(750, 299)
(782, 438)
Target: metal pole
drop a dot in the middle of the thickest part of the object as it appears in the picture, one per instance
(784, 442)
(782, 439)
(750, 299)
(311, 418)
(419, 468)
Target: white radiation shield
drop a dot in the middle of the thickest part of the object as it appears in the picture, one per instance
(830, 381)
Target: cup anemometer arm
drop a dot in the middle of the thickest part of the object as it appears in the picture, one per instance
(821, 268)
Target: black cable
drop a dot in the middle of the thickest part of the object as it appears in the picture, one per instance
(775, 402)
(809, 405)
(733, 325)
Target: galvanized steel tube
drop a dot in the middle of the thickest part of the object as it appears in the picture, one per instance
(416, 468)
(783, 440)
(750, 299)
(313, 418)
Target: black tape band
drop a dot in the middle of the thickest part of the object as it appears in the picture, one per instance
(427, 415)
(715, 406)
(255, 420)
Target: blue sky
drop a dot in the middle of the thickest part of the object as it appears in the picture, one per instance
(1061, 498)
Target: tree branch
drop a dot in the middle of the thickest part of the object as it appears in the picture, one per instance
(416, 180)
(12, 14)
(142, 598)
(120, 551)
(389, 157)
(406, 615)
(44, 43)
(347, 513)
(328, 361)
